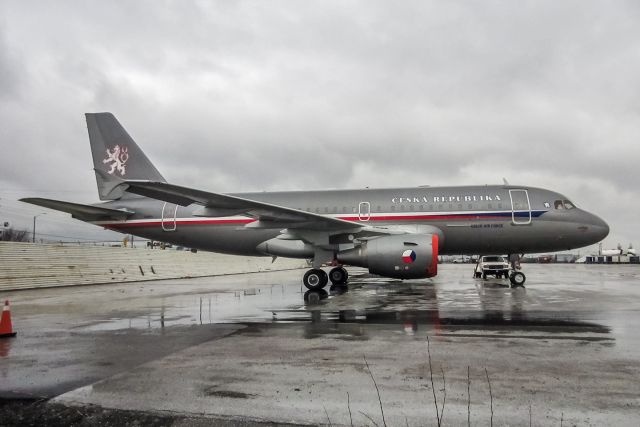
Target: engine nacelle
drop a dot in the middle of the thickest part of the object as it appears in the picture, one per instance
(405, 256)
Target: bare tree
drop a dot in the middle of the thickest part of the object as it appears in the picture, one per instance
(11, 235)
(327, 414)
(433, 389)
(468, 396)
(444, 391)
(384, 422)
(490, 395)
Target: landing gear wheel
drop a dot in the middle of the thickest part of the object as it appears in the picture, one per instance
(338, 276)
(517, 279)
(315, 279)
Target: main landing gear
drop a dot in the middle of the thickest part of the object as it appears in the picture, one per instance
(316, 279)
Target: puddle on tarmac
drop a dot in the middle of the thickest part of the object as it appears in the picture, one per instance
(484, 309)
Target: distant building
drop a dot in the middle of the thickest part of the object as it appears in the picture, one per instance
(550, 258)
(612, 256)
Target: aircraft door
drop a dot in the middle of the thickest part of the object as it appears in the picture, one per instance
(520, 207)
(169, 215)
(364, 211)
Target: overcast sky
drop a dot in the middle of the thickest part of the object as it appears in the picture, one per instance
(264, 95)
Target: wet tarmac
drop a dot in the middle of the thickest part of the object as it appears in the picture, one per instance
(257, 347)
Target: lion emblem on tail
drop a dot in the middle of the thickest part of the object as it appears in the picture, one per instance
(118, 158)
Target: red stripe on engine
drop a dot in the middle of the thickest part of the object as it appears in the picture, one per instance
(433, 268)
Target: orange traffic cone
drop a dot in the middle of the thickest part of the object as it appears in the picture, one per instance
(6, 329)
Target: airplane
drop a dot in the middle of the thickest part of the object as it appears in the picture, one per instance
(393, 232)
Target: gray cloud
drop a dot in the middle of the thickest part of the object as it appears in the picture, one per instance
(252, 95)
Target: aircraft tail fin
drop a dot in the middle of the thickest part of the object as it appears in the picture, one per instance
(116, 157)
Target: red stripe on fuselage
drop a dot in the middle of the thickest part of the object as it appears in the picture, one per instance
(157, 222)
(425, 217)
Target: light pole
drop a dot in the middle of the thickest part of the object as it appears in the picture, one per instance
(33, 235)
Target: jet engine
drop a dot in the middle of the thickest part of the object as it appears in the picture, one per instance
(405, 256)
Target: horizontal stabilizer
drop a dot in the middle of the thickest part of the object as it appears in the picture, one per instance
(82, 212)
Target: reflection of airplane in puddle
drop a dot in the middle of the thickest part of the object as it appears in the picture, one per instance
(500, 309)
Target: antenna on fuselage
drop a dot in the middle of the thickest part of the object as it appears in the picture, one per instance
(505, 181)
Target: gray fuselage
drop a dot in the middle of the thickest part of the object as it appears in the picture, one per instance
(470, 219)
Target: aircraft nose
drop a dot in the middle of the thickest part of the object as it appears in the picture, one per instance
(598, 228)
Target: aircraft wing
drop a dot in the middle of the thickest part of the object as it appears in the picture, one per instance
(266, 214)
(80, 211)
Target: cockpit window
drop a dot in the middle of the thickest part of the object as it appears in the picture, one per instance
(563, 204)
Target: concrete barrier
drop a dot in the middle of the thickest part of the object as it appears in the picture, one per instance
(28, 265)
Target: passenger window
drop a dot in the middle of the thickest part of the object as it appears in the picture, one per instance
(421, 208)
(344, 209)
(460, 206)
(470, 206)
(411, 208)
(568, 205)
(393, 208)
(354, 210)
(558, 204)
(489, 206)
(402, 207)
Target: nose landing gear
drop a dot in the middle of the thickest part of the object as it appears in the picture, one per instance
(517, 279)
(316, 279)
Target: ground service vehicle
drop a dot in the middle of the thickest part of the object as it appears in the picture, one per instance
(492, 265)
